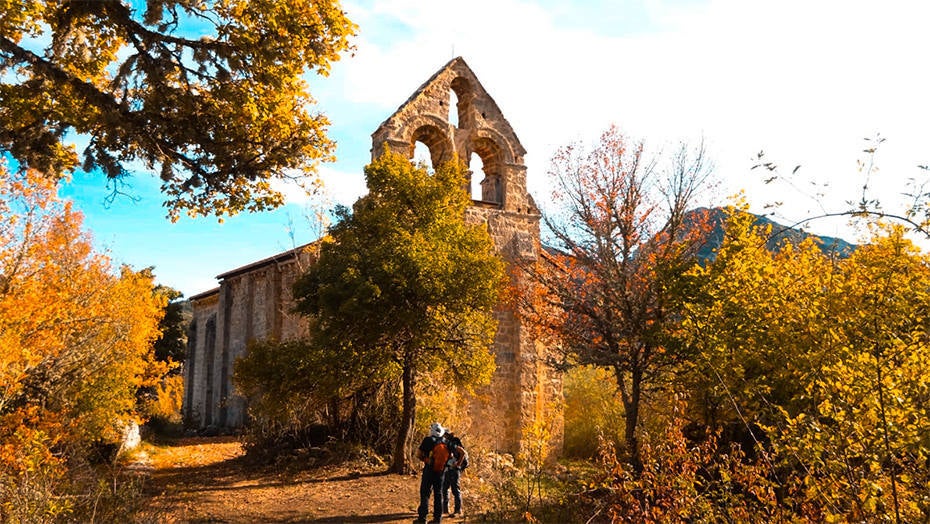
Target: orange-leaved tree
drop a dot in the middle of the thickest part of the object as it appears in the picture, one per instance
(623, 239)
(75, 344)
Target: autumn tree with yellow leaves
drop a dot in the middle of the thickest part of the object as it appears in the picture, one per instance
(821, 361)
(210, 95)
(75, 346)
(866, 437)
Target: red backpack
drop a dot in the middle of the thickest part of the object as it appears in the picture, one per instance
(440, 455)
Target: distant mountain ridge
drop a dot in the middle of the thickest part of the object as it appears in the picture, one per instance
(780, 234)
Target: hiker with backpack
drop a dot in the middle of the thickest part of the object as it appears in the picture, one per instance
(435, 453)
(456, 464)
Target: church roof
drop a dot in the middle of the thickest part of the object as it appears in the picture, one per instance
(205, 294)
(286, 256)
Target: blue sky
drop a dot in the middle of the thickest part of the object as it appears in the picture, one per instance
(804, 81)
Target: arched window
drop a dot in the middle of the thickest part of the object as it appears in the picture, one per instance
(421, 154)
(435, 141)
(210, 345)
(492, 189)
(453, 108)
(460, 98)
(476, 168)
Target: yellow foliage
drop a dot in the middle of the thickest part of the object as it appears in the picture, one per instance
(592, 410)
(827, 358)
(236, 69)
(75, 336)
(166, 402)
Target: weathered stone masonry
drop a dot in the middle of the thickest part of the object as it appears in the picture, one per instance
(252, 302)
(255, 301)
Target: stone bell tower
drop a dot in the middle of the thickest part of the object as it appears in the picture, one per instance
(523, 388)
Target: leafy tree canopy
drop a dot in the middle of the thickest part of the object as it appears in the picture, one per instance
(171, 345)
(210, 94)
(821, 362)
(404, 286)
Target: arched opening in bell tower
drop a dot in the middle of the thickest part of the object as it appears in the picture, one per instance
(460, 95)
(428, 141)
(421, 155)
(453, 115)
(476, 176)
(490, 179)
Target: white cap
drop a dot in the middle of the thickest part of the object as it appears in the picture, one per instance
(436, 430)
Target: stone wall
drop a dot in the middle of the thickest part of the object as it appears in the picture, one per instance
(255, 301)
(523, 388)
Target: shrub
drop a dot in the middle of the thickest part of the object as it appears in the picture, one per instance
(592, 411)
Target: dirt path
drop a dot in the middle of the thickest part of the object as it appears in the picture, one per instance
(206, 480)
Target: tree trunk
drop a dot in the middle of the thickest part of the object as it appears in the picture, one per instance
(405, 435)
(632, 421)
(631, 405)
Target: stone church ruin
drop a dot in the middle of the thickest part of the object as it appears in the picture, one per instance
(255, 302)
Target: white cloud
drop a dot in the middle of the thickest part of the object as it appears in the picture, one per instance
(805, 81)
(335, 187)
(340, 187)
